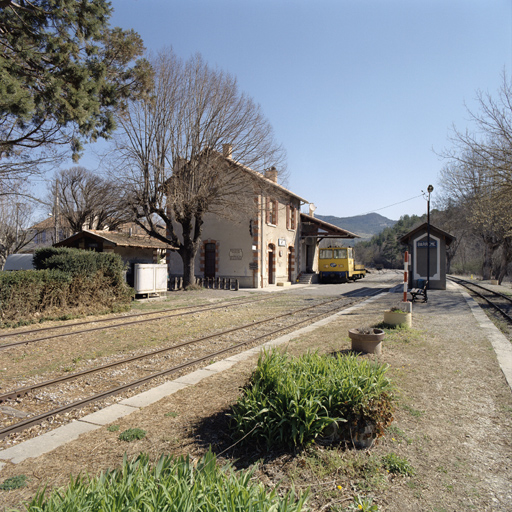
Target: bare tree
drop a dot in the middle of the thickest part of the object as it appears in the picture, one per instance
(480, 193)
(170, 152)
(88, 201)
(15, 216)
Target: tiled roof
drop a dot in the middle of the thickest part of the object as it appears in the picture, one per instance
(119, 239)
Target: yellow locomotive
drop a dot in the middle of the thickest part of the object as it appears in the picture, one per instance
(336, 264)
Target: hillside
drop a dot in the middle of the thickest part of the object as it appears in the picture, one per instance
(363, 225)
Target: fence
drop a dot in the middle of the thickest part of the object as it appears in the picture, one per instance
(212, 283)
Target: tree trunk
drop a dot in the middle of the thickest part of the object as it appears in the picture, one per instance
(191, 239)
(506, 257)
(188, 258)
(490, 246)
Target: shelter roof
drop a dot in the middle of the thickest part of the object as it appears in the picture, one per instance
(324, 229)
(424, 228)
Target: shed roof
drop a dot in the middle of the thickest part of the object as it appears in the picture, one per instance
(424, 227)
(117, 239)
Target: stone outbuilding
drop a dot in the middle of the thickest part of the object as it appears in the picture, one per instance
(417, 241)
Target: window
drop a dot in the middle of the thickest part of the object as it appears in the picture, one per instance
(271, 211)
(325, 254)
(290, 217)
(340, 253)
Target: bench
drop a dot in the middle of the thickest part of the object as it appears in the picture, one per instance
(419, 292)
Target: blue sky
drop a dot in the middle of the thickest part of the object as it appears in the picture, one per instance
(361, 93)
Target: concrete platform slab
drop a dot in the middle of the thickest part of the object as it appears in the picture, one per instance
(46, 443)
(194, 377)
(220, 366)
(153, 395)
(108, 414)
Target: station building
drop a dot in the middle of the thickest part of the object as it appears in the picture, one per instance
(271, 243)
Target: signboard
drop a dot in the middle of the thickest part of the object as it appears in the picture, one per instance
(235, 254)
(424, 243)
(253, 266)
(282, 242)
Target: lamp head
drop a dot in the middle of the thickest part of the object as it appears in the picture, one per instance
(430, 189)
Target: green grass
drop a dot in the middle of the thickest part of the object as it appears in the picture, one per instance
(397, 465)
(171, 485)
(132, 434)
(15, 482)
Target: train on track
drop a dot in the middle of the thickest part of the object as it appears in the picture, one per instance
(336, 264)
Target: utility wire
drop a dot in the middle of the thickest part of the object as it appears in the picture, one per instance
(390, 205)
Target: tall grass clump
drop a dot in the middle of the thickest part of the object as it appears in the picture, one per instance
(171, 485)
(292, 401)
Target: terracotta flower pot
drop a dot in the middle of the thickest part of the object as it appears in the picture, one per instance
(369, 343)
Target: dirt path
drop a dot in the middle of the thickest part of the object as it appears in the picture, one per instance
(453, 423)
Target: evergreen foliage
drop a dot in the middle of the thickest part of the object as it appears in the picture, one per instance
(63, 72)
(385, 248)
(68, 281)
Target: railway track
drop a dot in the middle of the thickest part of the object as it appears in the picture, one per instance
(70, 329)
(496, 300)
(71, 396)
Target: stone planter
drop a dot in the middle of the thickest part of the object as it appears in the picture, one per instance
(369, 343)
(398, 318)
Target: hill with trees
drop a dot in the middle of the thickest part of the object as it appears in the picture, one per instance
(363, 225)
(384, 248)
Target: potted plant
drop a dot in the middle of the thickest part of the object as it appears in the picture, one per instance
(367, 340)
(396, 316)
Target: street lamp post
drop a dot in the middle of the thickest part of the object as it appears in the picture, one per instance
(429, 190)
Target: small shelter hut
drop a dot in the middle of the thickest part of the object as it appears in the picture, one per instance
(427, 248)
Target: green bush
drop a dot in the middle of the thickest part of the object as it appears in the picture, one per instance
(173, 485)
(79, 262)
(290, 402)
(68, 282)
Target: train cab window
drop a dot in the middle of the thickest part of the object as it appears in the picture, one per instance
(325, 254)
(340, 254)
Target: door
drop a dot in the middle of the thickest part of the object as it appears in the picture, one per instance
(270, 264)
(210, 251)
(290, 264)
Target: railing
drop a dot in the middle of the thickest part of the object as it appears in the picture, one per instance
(212, 283)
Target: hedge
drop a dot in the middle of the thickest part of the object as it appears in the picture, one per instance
(68, 282)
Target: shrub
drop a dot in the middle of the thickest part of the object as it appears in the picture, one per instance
(173, 485)
(290, 402)
(80, 262)
(69, 282)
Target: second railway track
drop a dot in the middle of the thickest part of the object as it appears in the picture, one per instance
(78, 393)
(497, 301)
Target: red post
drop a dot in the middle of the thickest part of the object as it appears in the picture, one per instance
(406, 274)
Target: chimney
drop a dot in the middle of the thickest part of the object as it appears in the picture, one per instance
(227, 151)
(271, 174)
